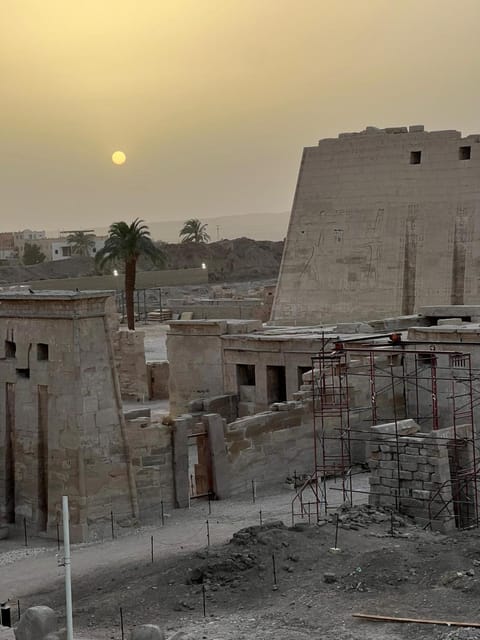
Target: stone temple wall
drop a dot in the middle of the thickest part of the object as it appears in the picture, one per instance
(129, 351)
(62, 430)
(383, 221)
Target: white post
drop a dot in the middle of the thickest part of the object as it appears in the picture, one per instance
(68, 567)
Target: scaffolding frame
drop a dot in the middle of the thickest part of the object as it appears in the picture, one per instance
(412, 378)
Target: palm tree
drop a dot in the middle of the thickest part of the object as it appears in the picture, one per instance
(81, 242)
(126, 243)
(194, 231)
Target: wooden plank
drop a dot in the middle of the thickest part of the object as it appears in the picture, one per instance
(448, 623)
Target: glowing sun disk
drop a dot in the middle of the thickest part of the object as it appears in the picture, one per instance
(118, 157)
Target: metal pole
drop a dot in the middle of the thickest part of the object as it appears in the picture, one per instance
(121, 623)
(68, 568)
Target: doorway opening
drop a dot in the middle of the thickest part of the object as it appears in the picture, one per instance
(276, 384)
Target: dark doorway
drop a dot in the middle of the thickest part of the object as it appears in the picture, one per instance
(276, 385)
(200, 465)
(10, 452)
(42, 483)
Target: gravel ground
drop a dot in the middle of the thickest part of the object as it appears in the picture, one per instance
(412, 573)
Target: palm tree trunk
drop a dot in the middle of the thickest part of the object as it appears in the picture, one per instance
(130, 273)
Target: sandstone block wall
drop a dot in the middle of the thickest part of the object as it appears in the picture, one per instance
(151, 446)
(415, 475)
(382, 221)
(194, 354)
(61, 429)
(129, 351)
(268, 447)
(194, 350)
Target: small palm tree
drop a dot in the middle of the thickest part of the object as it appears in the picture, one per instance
(81, 242)
(194, 231)
(126, 243)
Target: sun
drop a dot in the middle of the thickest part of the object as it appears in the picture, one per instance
(118, 157)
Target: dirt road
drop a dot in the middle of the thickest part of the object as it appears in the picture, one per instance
(312, 593)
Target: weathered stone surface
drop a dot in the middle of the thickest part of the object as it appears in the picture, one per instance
(36, 623)
(362, 192)
(63, 402)
(147, 632)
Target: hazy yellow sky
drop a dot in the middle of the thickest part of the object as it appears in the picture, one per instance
(212, 100)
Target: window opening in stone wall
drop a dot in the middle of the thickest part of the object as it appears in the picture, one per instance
(464, 153)
(246, 375)
(10, 349)
(276, 384)
(23, 373)
(415, 157)
(427, 359)
(42, 351)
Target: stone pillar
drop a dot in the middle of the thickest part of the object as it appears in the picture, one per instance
(180, 459)
(220, 468)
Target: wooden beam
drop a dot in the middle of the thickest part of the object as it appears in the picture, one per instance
(447, 623)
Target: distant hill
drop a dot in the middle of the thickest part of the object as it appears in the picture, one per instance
(227, 260)
(258, 226)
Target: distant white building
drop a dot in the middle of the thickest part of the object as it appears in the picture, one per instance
(12, 245)
(60, 249)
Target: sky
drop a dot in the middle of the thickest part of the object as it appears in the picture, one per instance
(211, 100)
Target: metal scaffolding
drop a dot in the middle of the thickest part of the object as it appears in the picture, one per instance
(433, 386)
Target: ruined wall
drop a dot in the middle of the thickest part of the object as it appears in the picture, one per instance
(196, 360)
(129, 351)
(416, 474)
(152, 458)
(382, 221)
(144, 280)
(461, 339)
(61, 430)
(194, 354)
(216, 309)
(269, 446)
(292, 353)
